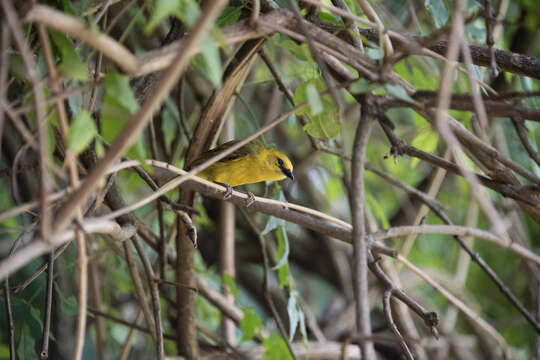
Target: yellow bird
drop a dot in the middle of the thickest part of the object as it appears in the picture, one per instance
(250, 164)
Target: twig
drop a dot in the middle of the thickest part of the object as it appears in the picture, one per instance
(142, 117)
(139, 289)
(124, 352)
(255, 12)
(77, 28)
(96, 302)
(398, 231)
(387, 309)
(12, 19)
(7, 297)
(227, 225)
(328, 79)
(70, 160)
(174, 205)
(154, 292)
(351, 25)
(489, 20)
(4, 72)
(44, 353)
(520, 130)
(442, 121)
(492, 275)
(459, 304)
(9, 315)
(513, 191)
(126, 323)
(479, 106)
(386, 43)
(360, 246)
(266, 280)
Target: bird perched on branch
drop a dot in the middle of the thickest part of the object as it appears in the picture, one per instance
(252, 163)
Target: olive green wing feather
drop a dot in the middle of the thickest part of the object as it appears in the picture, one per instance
(245, 150)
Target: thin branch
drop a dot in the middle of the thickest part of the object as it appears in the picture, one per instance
(44, 353)
(387, 309)
(124, 352)
(12, 19)
(4, 72)
(520, 130)
(266, 280)
(70, 160)
(126, 323)
(39, 247)
(460, 305)
(398, 231)
(154, 292)
(359, 238)
(142, 117)
(10, 324)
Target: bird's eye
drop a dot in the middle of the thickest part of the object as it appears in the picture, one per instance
(280, 162)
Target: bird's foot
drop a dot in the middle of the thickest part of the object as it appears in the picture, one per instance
(228, 192)
(250, 199)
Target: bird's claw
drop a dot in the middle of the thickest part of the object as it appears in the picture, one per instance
(250, 199)
(228, 192)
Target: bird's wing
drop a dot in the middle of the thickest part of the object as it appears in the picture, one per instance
(243, 151)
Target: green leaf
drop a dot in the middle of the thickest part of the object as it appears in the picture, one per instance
(118, 92)
(161, 10)
(322, 128)
(283, 247)
(274, 222)
(329, 17)
(38, 317)
(189, 12)
(81, 132)
(275, 348)
(249, 324)
(378, 210)
(71, 65)
(292, 310)
(25, 343)
(399, 92)
(322, 125)
(228, 280)
(229, 16)
(118, 105)
(301, 52)
(438, 11)
(314, 100)
(426, 140)
(284, 276)
(186, 10)
(211, 64)
(68, 305)
(362, 85)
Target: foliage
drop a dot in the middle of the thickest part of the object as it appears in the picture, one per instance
(301, 284)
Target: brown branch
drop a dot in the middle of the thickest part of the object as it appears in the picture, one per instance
(4, 72)
(360, 243)
(154, 293)
(141, 118)
(44, 353)
(150, 61)
(266, 280)
(387, 309)
(12, 19)
(520, 130)
(70, 160)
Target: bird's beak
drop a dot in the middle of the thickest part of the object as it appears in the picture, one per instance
(288, 173)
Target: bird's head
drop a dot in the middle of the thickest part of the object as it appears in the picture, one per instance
(279, 164)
